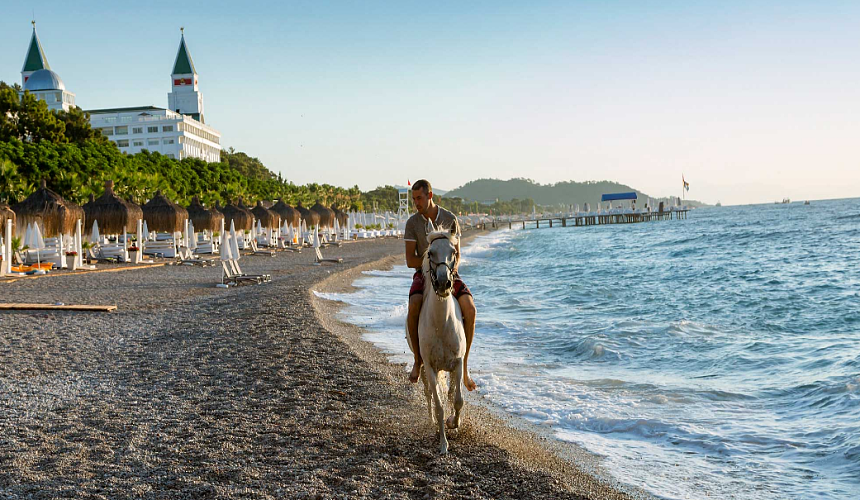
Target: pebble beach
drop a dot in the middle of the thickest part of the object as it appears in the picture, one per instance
(190, 391)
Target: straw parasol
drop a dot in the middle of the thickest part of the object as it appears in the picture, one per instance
(204, 218)
(310, 217)
(340, 216)
(267, 218)
(163, 215)
(326, 214)
(287, 213)
(113, 214)
(239, 214)
(57, 215)
(6, 213)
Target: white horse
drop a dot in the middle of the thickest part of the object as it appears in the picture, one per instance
(441, 336)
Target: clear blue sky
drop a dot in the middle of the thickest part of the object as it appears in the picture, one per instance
(752, 100)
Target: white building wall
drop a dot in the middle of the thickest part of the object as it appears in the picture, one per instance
(169, 133)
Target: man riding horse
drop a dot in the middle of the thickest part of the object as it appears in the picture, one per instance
(416, 246)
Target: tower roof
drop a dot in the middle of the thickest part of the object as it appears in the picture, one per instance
(35, 59)
(183, 65)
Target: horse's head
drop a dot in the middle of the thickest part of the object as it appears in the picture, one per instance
(440, 259)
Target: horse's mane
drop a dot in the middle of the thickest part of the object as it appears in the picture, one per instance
(435, 235)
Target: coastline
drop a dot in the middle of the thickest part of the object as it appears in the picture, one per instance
(253, 391)
(539, 465)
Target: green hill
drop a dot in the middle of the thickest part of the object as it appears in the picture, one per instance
(561, 193)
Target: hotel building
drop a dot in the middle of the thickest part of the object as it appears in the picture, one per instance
(178, 131)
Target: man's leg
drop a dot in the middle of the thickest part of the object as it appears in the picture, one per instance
(415, 302)
(467, 306)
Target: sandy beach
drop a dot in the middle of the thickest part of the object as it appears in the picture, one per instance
(188, 391)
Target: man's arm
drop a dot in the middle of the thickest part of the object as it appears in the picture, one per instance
(412, 258)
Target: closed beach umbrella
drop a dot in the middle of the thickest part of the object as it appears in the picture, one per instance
(57, 215)
(204, 218)
(287, 213)
(95, 237)
(310, 218)
(238, 215)
(112, 212)
(6, 213)
(234, 243)
(163, 215)
(266, 218)
(226, 254)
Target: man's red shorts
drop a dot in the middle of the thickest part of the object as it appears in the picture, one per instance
(459, 290)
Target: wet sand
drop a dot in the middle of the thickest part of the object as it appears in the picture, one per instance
(189, 391)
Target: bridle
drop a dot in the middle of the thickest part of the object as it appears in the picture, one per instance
(433, 266)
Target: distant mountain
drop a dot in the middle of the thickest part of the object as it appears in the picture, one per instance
(561, 193)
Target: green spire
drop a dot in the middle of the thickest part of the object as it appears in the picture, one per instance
(35, 59)
(183, 65)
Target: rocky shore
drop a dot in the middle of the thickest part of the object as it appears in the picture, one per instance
(188, 391)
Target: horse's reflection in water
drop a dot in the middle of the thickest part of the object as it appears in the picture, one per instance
(441, 337)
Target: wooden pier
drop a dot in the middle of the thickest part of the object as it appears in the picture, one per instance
(594, 219)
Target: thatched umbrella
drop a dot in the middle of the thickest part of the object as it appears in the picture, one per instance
(163, 215)
(113, 214)
(287, 213)
(310, 217)
(268, 218)
(204, 218)
(57, 215)
(326, 214)
(6, 213)
(239, 214)
(341, 216)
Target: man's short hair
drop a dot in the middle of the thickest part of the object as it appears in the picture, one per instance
(422, 184)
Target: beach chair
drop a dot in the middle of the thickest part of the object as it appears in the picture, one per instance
(256, 251)
(229, 276)
(237, 271)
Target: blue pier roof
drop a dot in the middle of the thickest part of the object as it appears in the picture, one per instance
(618, 196)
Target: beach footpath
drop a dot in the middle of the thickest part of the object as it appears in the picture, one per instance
(190, 391)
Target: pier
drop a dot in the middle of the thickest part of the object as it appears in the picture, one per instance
(593, 219)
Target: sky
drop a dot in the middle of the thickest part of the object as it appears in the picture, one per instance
(751, 101)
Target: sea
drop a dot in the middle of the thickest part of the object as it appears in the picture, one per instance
(712, 357)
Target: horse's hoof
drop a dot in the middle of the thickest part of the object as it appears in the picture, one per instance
(451, 423)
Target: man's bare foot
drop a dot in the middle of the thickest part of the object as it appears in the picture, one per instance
(415, 373)
(469, 383)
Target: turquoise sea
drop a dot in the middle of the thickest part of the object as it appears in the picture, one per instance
(717, 356)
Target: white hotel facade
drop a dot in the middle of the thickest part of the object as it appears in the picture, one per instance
(178, 131)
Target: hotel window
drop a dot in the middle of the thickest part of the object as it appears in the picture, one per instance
(110, 119)
(181, 139)
(123, 143)
(152, 130)
(170, 155)
(167, 128)
(152, 142)
(137, 130)
(107, 131)
(122, 131)
(125, 119)
(168, 141)
(137, 143)
(180, 127)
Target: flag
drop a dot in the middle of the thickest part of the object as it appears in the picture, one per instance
(408, 183)
(686, 184)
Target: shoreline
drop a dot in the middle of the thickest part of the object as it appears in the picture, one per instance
(190, 390)
(569, 467)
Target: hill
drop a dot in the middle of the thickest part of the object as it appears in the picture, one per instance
(561, 193)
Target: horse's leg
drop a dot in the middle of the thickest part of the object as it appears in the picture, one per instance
(427, 394)
(440, 411)
(454, 421)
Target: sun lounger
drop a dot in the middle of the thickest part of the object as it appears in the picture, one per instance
(237, 270)
(228, 276)
(257, 251)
